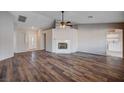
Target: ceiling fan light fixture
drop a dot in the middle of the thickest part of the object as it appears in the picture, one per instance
(62, 25)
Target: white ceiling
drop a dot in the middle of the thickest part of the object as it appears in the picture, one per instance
(45, 19)
(81, 17)
(33, 20)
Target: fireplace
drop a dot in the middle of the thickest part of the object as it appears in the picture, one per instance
(62, 45)
(62, 40)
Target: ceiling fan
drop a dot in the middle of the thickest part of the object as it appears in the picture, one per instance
(63, 24)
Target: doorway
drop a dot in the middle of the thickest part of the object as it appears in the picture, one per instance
(44, 41)
(115, 43)
(32, 40)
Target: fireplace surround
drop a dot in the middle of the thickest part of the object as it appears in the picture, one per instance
(61, 40)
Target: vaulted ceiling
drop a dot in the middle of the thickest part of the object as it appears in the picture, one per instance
(45, 19)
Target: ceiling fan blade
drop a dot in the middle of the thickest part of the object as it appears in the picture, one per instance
(68, 23)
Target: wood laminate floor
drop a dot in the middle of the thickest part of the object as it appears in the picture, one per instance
(45, 66)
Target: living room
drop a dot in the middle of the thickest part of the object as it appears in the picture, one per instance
(59, 46)
(93, 41)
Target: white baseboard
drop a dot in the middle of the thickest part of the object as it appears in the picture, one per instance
(3, 58)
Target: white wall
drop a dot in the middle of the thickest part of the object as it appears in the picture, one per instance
(48, 40)
(21, 45)
(92, 37)
(6, 35)
(42, 39)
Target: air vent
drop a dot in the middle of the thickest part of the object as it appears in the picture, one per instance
(90, 16)
(22, 18)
